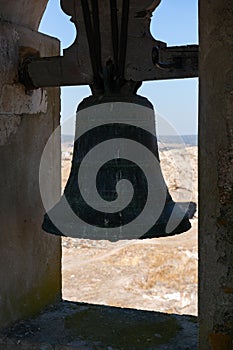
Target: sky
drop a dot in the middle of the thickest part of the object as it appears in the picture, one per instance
(174, 22)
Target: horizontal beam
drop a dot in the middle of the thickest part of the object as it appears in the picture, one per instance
(176, 62)
(53, 71)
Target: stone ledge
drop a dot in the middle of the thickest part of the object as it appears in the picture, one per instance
(71, 326)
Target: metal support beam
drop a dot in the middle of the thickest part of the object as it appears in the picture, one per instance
(176, 62)
(113, 46)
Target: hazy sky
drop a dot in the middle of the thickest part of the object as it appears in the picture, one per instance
(174, 22)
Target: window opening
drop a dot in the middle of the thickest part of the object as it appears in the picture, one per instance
(158, 274)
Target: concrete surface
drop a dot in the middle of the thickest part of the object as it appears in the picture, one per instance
(30, 260)
(70, 326)
(23, 12)
(215, 174)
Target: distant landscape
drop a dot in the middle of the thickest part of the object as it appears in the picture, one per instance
(67, 138)
(168, 140)
(187, 140)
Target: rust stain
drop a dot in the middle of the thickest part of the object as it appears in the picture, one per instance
(220, 341)
(228, 290)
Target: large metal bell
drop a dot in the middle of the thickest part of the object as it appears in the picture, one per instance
(116, 189)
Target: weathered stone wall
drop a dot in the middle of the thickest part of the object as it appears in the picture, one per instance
(30, 268)
(23, 12)
(216, 174)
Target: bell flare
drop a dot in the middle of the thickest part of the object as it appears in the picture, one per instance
(57, 223)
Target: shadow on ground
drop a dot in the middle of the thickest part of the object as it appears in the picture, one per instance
(72, 325)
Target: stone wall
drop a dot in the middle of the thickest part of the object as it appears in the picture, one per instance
(30, 267)
(216, 175)
(23, 12)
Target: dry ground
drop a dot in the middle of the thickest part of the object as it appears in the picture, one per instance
(157, 274)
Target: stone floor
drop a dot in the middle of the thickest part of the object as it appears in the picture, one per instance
(72, 325)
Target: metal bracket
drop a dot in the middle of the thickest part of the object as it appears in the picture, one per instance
(181, 60)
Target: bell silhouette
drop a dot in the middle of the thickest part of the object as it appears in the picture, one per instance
(116, 189)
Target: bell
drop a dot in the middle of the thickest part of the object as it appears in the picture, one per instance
(116, 189)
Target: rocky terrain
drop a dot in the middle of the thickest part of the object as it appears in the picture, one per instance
(156, 274)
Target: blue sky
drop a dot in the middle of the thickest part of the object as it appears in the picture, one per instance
(174, 22)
